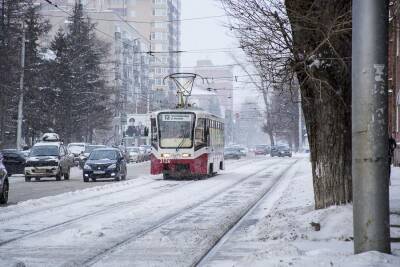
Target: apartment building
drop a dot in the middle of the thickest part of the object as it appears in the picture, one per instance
(159, 22)
(220, 80)
(127, 66)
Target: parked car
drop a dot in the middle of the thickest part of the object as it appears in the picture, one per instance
(76, 149)
(232, 153)
(4, 185)
(135, 154)
(281, 151)
(243, 150)
(48, 159)
(85, 154)
(262, 150)
(105, 163)
(146, 151)
(14, 161)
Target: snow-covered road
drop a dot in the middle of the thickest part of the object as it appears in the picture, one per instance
(145, 221)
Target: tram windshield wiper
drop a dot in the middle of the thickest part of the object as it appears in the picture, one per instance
(184, 136)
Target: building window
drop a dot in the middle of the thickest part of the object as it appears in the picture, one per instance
(159, 12)
(159, 25)
(159, 2)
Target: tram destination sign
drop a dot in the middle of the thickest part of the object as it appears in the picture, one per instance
(177, 117)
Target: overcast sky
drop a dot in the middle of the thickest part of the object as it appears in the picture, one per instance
(210, 34)
(206, 33)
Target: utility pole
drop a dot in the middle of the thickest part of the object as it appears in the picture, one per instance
(370, 149)
(300, 126)
(21, 90)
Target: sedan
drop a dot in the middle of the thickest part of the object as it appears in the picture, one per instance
(14, 161)
(232, 153)
(105, 163)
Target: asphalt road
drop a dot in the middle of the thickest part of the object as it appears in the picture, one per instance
(22, 191)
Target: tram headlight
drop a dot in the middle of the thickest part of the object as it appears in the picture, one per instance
(165, 155)
(186, 155)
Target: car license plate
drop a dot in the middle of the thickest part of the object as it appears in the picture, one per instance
(99, 172)
(40, 170)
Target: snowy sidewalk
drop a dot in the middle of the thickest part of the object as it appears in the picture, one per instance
(279, 231)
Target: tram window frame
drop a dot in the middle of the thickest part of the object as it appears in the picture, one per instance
(154, 133)
(200, 128)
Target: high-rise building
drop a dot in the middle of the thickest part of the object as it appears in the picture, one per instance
(159, 22)
(127, 64)
(219, 79)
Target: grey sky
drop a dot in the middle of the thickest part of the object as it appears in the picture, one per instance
(210, 34)
(204, 34)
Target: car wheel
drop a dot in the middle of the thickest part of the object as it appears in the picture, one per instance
(93, 179)
(4, 192)
(58, 175)
(85, 179)
(27, 178)
(66, 175)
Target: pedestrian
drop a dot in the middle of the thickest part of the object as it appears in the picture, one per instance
(392, 147)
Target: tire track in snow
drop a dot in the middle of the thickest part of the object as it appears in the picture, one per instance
(104, 210)
(167, 219)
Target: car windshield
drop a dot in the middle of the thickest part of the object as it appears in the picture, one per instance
(76, 148)
(38, 151)
(133, 149)
(176, 130)
(103, 154)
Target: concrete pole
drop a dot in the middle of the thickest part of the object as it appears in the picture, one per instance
(21, 90)
(300, 149)
(370, 151)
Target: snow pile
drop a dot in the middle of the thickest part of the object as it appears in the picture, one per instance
(285, 230)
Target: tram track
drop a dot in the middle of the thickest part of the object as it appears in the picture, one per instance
(169, 218)
(236, 224)
(101, 211)
(130, 187)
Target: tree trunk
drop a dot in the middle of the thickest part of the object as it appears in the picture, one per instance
(326, 92)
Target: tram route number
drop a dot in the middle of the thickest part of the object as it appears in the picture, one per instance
(165, 161)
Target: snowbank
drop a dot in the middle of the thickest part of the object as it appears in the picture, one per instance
(285, 230)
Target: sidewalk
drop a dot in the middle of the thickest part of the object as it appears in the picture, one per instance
(286, 230)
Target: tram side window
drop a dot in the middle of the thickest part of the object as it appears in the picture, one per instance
(200, 139)
(154, 133)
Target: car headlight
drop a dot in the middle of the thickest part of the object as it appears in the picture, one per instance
(112, 166)
(87, 167)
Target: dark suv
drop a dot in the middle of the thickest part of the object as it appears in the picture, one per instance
(4, 185)
(105, 163)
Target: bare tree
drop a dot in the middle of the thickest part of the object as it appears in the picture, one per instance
(308, 41)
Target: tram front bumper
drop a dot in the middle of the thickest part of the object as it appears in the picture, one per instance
(197, 166)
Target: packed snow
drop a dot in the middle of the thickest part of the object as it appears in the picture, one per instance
(152, 222)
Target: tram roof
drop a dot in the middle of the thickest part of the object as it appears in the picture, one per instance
(197, 111)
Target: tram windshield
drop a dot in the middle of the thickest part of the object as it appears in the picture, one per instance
(176, 130)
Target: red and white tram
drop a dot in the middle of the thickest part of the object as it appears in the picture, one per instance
(186, 143)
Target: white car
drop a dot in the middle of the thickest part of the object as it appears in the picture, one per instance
(135, 155)
(76, 148)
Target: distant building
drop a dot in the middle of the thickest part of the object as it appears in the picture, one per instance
(206, 100)
(127, 66)
(159, 22)
(248, 125)
(219, 79)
